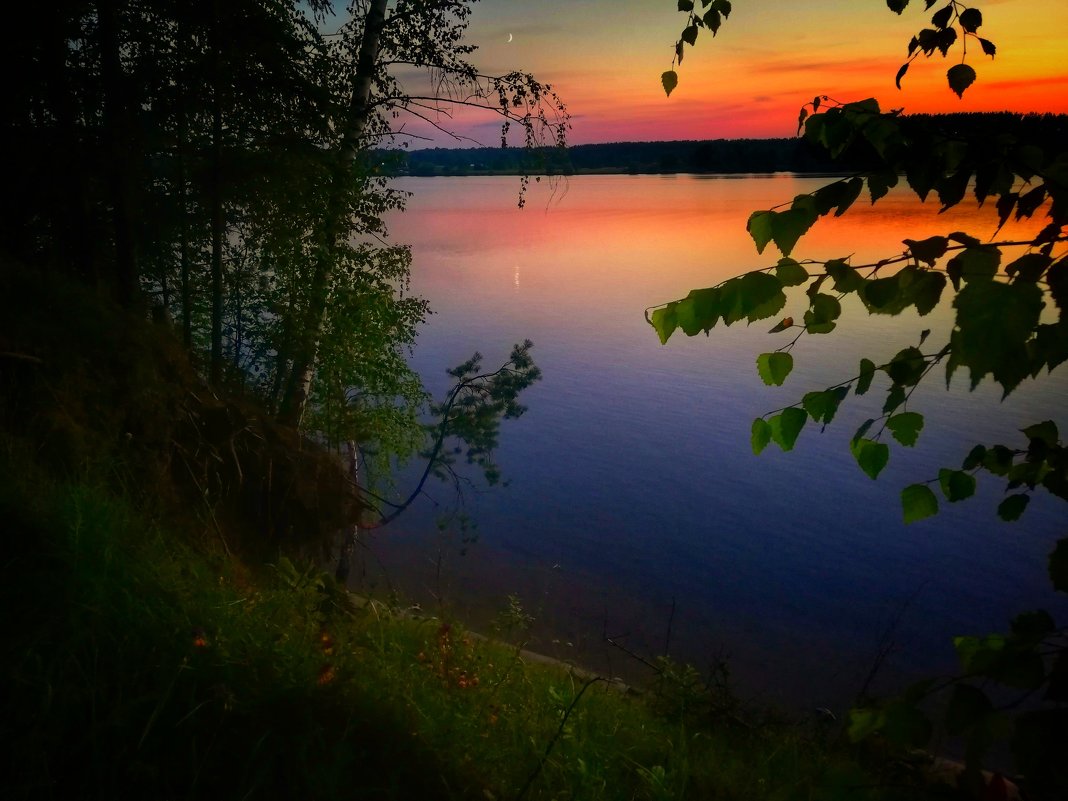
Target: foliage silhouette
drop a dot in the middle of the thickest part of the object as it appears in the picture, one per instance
(1011, 323)
(215, 161)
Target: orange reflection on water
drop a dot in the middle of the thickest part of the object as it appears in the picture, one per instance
(646, 239)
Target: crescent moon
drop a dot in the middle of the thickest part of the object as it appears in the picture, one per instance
(509, 37)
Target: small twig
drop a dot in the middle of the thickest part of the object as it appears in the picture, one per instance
(22, 357)
(611, 641)
(887, 642)
(559, 731)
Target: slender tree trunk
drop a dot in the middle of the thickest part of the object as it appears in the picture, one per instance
(351, 534)
(298, 388)
(183, 212)
(74, 233)
(120, 150)
(238, 331)
(216, 203)
(285, 345)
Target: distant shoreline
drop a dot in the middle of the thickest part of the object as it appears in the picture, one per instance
(611, 171)
(791, 155)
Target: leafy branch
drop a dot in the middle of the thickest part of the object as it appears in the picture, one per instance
(471, 414)
(998, 331)
(940, 38)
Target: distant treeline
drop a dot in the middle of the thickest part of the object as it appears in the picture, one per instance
(708, 156)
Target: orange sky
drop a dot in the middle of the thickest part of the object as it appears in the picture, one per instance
(605, 58)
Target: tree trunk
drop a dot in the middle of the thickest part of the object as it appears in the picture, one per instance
(351, 534)
(298, 388)
(74, 231)
(216, 204)
(183, 205)
(120, 150)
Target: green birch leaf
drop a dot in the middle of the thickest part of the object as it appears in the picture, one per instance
(894, 398)
(774, 367)
(906, 427)
(928, 250)
(863, 723)
(870, 455)
(822, 406)
(865, 427)
(670, 80)
(790, 273)
(956, 484)
(974, 264)
(971, 19)
(698, 311)
(961, 238)
(665, 322)
(878, 294)
(1032, 627)
(974, 458)
(846, 279)
(1002, 659)
(760, 435)
(1029, 267)
(998, 460)
(789, 226)
(785, 427)
(897, 78)
(753, 296)
(1045, 432)
(1013, 507)
(907, 367)
(994, 323)
(825, 310)
(879, 183)
(885, 136)
(760, 228)
(918, 502)
(686, 317)
(838, 196)
(1050, 346)
(960, 76)
(867, 373)
(926, 291)
(942, 16)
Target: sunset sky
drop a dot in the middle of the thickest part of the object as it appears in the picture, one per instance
(605, 58)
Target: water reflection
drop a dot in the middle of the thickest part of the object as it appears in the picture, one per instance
(633, 485)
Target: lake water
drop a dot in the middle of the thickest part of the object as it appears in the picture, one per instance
(636, 509)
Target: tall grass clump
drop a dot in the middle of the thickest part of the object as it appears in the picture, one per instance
(142, 664)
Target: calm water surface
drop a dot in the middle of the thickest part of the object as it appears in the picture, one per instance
(636, 509)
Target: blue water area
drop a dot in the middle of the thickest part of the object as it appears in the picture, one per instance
(636, 510)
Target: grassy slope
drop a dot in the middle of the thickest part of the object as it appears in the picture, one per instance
(140, 665)
(141, 661)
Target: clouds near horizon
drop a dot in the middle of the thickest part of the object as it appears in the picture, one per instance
(605, 57)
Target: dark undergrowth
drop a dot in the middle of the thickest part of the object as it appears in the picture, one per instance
(153, 649)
